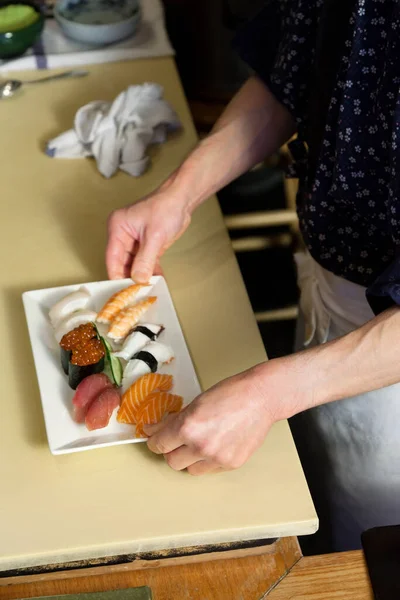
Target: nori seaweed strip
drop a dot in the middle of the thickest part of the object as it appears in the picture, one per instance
(77, 373)
(65, 358)
(146, 331)
(147, 358)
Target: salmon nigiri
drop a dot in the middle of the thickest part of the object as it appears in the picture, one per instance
(118, 302)
(155, 407)
(138, 392)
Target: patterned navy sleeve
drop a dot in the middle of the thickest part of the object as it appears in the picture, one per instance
(278, 45)
(384, 292)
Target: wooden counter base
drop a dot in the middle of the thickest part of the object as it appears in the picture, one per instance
(342, 576)
(237, 574)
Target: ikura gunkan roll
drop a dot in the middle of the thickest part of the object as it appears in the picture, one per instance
(77, 336)
(86, 360)
(82, 354)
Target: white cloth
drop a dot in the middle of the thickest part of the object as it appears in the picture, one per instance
(55, 50)
(118, 134)
(326, 297)
(350, 449)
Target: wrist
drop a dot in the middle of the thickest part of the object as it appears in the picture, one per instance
(179, 194)
(289, 385)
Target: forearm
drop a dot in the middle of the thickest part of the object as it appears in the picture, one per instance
(253, 126)
(364, 360)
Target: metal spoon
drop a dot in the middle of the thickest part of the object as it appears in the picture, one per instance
(8, 88)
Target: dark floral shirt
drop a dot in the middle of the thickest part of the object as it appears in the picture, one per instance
(350, 213)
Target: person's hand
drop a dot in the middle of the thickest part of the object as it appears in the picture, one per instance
(221, 428)
(139, 234)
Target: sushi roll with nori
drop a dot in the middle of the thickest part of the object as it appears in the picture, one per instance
(77, 337)
(138, 339)
(146, 361)
(87, 359)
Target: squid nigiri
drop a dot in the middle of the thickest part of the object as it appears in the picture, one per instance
(72, 321)
(147, 361)
(138, 339)
(67, 305)
(127, 318)
(119, 301)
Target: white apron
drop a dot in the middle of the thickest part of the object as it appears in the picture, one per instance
(350, 449)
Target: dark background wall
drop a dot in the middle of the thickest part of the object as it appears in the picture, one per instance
(201, 33)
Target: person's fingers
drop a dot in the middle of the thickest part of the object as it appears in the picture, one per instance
(203, 467)
(117, 258)
(155, 428)
(165, 436)
(127, 266)
(182, 457)
(147, 256)
(158, 269)
(119, 251)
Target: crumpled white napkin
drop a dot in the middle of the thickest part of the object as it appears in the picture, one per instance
(117, 134)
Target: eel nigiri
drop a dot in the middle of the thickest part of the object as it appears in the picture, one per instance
(138, 392)
(138, 339)
(147, 360)
(155, 407)
(118, 301)
(73, 320)
(69, 304)
(101, 409)
(86, 392)
(127, 318)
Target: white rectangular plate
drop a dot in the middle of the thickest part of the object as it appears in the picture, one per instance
(63, 434)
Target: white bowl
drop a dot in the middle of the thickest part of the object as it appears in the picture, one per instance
(98, 22)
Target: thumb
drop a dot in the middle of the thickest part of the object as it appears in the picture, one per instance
(147, 256)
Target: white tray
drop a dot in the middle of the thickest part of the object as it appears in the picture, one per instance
(63, 434)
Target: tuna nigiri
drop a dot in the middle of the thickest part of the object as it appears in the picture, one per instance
(86, 392)
(69, 304)
(155, 407)
(127, 318)
(138, 339)
(119, 301)
(147, 360)
(138, 392)
(101, 409)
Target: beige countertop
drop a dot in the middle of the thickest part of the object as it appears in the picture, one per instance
(121, 499)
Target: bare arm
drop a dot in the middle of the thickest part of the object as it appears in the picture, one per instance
(366, 359)
(226, 424)
(253, 126)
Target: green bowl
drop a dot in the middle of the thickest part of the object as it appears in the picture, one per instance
(14, 43)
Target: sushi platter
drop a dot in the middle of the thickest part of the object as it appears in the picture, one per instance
(110, 358)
